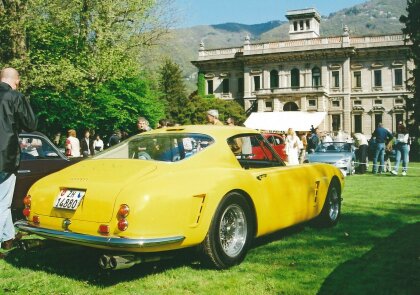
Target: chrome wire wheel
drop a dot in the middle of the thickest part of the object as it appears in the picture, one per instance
(233, 230)
(334, 202)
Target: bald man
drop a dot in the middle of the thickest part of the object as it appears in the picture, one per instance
(15, 114)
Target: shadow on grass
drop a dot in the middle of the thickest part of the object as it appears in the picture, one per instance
(354, 230)
(392, 266)
(81, 263)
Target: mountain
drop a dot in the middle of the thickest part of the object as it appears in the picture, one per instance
(374, 17)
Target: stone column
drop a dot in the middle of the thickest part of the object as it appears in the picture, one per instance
(346, 97)
(261, 105)
(247, 83)
(303, 104)
(265, 79)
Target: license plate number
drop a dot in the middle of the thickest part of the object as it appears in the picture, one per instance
(69, 199)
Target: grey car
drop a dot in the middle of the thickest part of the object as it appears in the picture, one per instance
(339, 154)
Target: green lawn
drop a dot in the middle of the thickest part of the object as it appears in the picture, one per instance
(375, 249)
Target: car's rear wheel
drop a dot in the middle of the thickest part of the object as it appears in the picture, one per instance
(230, 233)
(331, 210)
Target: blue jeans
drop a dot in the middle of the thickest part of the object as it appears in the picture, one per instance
(402, 152)
(379, 152)
(7, 187)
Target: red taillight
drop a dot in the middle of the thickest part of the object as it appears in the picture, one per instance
(122, 224)
(104, 229)
(27, 200)
(123, 211)
(26, 211)
(36, 219)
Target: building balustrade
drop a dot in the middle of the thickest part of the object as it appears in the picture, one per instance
(284, 90)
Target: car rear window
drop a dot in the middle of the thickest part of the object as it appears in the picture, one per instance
(159, 147)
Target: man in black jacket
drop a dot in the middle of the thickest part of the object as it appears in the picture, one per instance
(15, 114)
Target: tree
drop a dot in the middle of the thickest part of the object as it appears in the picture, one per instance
(82, 59)
(173, 92)
(412, 30)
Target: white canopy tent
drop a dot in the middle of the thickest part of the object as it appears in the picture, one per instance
(281, 121)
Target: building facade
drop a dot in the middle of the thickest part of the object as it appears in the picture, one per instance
(357, 81)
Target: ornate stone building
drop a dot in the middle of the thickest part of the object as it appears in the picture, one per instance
(358, 81)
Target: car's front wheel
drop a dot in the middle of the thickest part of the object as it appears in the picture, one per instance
(331, 210)
(230, 233)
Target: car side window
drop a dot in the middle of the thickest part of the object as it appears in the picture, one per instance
(167, 147)
(33, 148)
(253, 151)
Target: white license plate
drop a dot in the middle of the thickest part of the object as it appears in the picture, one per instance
(69, 199)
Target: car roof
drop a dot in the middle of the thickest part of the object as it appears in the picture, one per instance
(211, 130)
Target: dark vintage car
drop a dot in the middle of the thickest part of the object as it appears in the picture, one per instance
(39, 157)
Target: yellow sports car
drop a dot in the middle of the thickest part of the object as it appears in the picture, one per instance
(186, 186)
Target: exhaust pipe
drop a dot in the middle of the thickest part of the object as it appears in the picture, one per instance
(104, 262)
(115, 262)
(123, 261)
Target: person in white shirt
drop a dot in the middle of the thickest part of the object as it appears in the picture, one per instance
(98, 144)
(402, 148)
(292, 147)
(72, 144)
(362, 144)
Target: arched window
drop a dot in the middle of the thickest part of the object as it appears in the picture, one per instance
(295, 79)
(274, 79)
(316, 77)
(290, 107)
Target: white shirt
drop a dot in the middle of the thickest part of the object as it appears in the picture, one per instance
(74, 145)
(98, 143)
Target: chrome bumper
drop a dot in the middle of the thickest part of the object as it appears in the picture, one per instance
(70, 237)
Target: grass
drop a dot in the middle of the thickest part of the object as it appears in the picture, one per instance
(375, 249)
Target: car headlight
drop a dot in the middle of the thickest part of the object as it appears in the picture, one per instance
(342, 162)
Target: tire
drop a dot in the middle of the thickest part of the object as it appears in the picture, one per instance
(331, 210)
(230, 234)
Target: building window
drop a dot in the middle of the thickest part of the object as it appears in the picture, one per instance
(312, 102)
(378, 102)
(257, 83)
(274, 79)
(295, 78)
(301, 25)
(335, 103)
(308, 24)
(336, 122)
(358, 123)
(378, 119)
(295, 26)
(225, 85)
(399, 101)
(377, 78)
(240, 85)
(357, 79)
(398, 79)
(268, 105)
(209, 86)
(357, 103)
(316, 77)
(336, 78)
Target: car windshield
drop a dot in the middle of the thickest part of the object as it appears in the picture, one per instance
(333, 147)
(159, 147)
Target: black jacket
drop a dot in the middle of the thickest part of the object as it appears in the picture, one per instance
(15, 114)
(84, 148)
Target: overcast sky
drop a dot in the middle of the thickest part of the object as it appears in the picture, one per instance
(212, 12)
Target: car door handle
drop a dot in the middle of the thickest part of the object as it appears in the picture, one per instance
(261, 176)
(24, 171)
